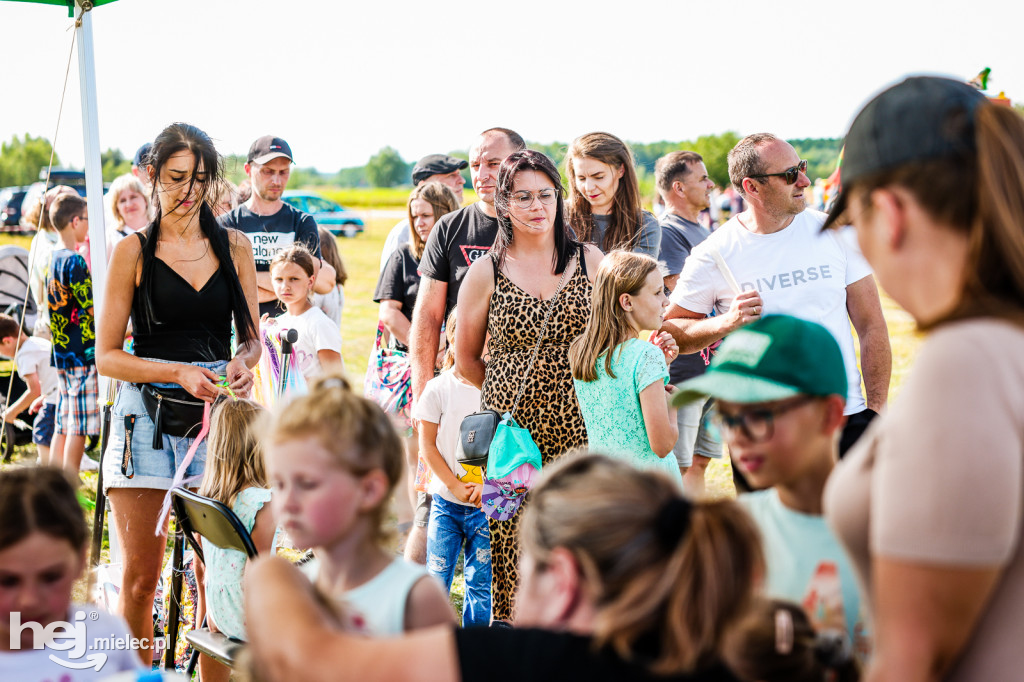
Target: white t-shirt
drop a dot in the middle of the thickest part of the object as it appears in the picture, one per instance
(398, 235)
(33, 357)
(105, 636)
(316, 332)
(445, 402)
(799, 271)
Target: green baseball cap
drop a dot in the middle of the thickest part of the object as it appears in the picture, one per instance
(775, 358)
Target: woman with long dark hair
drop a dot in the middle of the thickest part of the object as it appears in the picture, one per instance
(183, 281)
(604, 196)
(929, 502)
(507, 295)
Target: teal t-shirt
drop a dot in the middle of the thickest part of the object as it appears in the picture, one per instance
(611, 406)
(807, 565)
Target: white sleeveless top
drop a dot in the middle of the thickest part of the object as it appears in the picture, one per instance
(377, 607)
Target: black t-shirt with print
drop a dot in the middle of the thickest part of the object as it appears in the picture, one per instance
(457, 240)
(516, 655)
(270, 234)
(399, 281)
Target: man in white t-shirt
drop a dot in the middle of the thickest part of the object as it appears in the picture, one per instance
(774, 258)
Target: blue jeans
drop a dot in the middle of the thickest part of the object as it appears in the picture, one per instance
(451, 526)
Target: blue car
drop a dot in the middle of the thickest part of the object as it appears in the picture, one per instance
(335, 218)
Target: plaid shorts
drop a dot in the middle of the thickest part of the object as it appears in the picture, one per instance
(78, 412)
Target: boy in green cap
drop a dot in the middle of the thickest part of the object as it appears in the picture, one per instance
(780, 384)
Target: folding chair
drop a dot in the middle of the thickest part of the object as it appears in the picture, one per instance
(200, 516)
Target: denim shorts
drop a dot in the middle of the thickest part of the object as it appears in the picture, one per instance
(149, 468)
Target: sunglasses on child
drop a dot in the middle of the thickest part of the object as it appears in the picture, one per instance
(790, 174)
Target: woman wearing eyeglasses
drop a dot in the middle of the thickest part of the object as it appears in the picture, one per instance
(604, 196)
(535, 265)
(930, 505)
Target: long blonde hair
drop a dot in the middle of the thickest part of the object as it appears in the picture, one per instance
(621, 272)
(656, 565)
(234, 452)
(351, 428)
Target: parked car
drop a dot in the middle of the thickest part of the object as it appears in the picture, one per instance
(58, 176)
(335, 218)
(10, 205)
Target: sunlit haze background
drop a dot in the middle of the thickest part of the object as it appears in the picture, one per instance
(340, 79)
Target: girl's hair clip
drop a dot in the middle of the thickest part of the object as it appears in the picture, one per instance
(783, 632)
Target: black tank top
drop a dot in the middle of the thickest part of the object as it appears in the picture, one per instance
(189, 325)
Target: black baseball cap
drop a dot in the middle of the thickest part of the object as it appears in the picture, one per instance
(436, 164)
(921, 119)
(141, 159)
(269, 147)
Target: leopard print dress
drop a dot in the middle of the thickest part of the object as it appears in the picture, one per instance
(548, 408)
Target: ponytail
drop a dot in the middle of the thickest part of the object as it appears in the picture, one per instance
(660, 569)
(996, 261)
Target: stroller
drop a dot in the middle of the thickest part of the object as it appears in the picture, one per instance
(14, 299)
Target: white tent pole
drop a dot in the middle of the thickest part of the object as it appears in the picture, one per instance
(93, 166)
(94, 193)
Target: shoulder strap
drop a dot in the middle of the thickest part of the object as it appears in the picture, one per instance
(494, 266)
(583, 260)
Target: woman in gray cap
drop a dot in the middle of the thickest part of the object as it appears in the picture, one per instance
(930, 503)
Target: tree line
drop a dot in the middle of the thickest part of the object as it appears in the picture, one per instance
(21, 160)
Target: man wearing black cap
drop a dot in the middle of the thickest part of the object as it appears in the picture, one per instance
(139, 163)
(433, 168)
(272, 224)
(774, 258)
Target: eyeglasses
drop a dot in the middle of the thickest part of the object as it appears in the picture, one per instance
(791, 174)
(758, 424)
(524, 199)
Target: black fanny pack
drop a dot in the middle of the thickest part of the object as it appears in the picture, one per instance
(174, 411)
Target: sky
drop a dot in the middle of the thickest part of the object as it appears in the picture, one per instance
(340, 79)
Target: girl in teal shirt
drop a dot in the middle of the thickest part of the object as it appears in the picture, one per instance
(621, 380)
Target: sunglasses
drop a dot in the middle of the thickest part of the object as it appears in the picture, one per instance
(790, 174)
